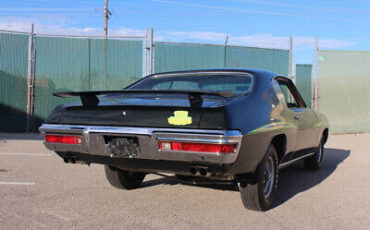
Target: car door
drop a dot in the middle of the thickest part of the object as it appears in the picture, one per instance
(304, 117)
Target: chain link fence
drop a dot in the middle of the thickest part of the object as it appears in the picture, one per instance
(178, 56)
(83, 64)
(49, 63)
(13, 81)
(343, 88)
(338, 85)
(304, 82)
(60, 63)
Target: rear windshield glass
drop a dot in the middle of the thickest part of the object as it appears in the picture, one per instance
(238, 84)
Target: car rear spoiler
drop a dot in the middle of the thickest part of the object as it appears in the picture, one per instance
(89, 98)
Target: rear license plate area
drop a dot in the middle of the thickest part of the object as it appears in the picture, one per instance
(125, 147)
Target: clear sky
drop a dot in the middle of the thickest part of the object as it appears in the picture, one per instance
(339, 24)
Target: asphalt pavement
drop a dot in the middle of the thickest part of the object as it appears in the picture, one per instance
(39, 191)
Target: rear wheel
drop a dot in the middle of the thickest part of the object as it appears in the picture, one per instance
(258, 190)
(314, 162)
(123, 179)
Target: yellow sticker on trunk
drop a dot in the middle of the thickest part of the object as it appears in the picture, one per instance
(180, 118)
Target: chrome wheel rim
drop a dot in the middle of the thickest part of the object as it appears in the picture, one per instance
(268, 176)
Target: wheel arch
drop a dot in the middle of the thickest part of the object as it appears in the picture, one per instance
(279, 142)
(325, 135)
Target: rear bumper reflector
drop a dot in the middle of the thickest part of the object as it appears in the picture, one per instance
(76, 140)
(196, 147)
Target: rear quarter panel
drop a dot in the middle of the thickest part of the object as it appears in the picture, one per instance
(260, 116)
(321, 125)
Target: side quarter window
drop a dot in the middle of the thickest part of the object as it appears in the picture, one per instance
(278, 91)
(291, 94)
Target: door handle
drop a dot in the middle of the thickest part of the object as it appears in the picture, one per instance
(296, 117)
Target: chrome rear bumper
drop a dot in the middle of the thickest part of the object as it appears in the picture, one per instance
(94, 142)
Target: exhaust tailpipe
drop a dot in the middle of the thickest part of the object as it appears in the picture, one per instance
(203, 171)
(66, 159)
(73, 160)
(193, 170)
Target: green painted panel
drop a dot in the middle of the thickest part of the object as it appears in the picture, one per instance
(13, 82)
(249, 57)
(304, 82)
(182, 56)
(82, 64)
(344, 90)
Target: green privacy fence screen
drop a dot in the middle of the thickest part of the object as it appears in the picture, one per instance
(344, 90)
(181, 56)
(304, 83)
(82, 64)
(13, 81)
(61, 64)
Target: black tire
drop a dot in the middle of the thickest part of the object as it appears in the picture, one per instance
(253, 187)
(123, 179)
(314, 162)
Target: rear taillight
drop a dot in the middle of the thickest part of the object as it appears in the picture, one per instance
(196, 147)
(76, 140)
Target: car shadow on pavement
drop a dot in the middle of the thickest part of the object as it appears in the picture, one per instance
(172, 180)
(167, 180)
(216, 185)
(295, 179)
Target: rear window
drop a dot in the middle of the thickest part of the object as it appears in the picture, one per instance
(237, 83)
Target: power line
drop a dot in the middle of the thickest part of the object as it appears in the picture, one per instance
(253, 11)
(46, 14)
(298, 6)
(45, 9)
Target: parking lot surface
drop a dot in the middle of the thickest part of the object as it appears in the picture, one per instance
(39, 191)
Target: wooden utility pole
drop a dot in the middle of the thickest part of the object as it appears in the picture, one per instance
(106, 18)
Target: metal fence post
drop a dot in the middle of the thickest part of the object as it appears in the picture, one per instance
(89, 63)
(106, 63)
(315, 80)
(145, 53)
(290, 57)
(294, 70)
(30, 81)
(33, 81)
(151, 51)
(225, 49)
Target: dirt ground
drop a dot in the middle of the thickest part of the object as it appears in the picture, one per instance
(39, 191)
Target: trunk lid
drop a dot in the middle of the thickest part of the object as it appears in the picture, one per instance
(148, 110)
